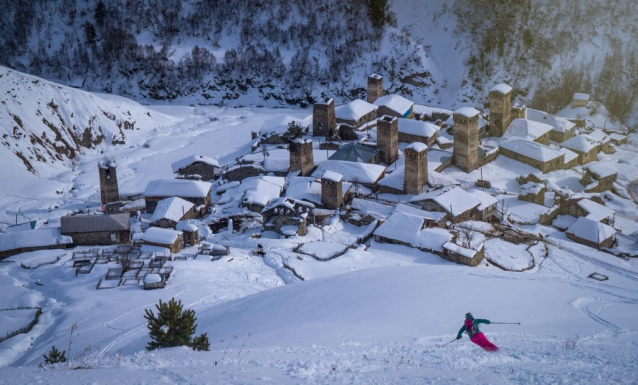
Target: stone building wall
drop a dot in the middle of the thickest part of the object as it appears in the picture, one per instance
(331, 194)
(375, 88)
(516, 113)
(100, 237)
(206, 171)
(409, 138)
(605, 243)
(109, 191)
(554, 164)
(372, 115)
(587, 157)
(461, 260)
(466, 142)
(539, 198)
(388, 139)
(499, 112)
(175, 247)
(301, 156)
(416, 171)
(238, 174)
(560, 137)
(324, 122)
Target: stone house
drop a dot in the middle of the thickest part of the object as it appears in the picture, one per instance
(165, 238)
(196, 192)
(533, 192)
(562, 129)
(411, 130)
(580, 100)
(459, 204)
(462, 255)
(97, 229)
(288, 216)
(353, 172)
(395, 105)
(170, 211)
(598, 178)
(239, 172)
(617, 139)
(571, 158)
(585, 146)
(355, 152)
(530, 130)
(205, 167)
(487, 208)
(587, 208)
(603, 140)
(356, 113)
(591, 233)
(534, 154)
(32, 240)
(281, 130)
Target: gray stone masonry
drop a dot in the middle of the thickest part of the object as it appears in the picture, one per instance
(416, 170)
(324, 121)
(466, 142)
(109, 191)
(388, 139)
(375, 88)
(331, 194)
(499, 112)
(301, 156)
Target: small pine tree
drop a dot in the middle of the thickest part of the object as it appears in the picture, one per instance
(201, 343)
(54, 357)
(172, 327)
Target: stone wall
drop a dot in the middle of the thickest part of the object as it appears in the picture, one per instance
(388, 139)
(372, 115)
(301, 156)
(100, 237)
(175, 247)
(461, 260)
(409, 138)
(466, 142)
(587, 157)
(206, 171)
(554, 164)
(323, 119)
(109, 191)
(416, 171)
(375, 88)
(560, 137)
(499, 112)
(242, 172)
(539, 198)
(605, 243)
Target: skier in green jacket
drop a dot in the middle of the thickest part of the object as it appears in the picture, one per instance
(471, 328)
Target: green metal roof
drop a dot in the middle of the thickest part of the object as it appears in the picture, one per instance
(354, 152)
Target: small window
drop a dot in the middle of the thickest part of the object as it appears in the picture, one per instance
(113, 237)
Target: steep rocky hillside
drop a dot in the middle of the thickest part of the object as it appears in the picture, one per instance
(43, 125)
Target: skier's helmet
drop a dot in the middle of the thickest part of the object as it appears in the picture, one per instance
(468, 315)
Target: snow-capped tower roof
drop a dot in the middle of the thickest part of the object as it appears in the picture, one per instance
(501, 88)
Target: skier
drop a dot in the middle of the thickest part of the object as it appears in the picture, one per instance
(471, 328)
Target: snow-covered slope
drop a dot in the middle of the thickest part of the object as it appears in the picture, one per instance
(45, 125)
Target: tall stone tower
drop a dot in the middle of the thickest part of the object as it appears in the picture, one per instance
(517, 112)
(416, 168)
(324, 121)
(301, 156)
(466, 139)
(108, 181)
(332, 190)
(388, 139)
(500, 103)
(375, 87)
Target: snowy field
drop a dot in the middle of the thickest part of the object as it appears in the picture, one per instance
(372, 314)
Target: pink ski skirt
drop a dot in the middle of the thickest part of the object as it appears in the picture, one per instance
(483, 342)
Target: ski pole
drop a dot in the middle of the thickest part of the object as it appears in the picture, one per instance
(506, 323)
(447, 343)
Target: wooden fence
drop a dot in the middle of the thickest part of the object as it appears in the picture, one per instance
(25, 329)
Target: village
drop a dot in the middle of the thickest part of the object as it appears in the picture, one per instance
(390, 170)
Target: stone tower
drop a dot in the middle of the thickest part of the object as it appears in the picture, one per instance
(301, 156)
(375, 87)
(517, 112)
(416, 168)
(108, 181)
(324, 121)
(466, 139)
(500, 103)
(388, 139)
(332, 190)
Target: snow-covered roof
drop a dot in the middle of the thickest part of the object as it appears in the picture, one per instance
(277, 125)
(591, 230)
(376, 76)
(531, 188)
(94, 223)
(177, 188)
(396, 103)
(600, 136)
(407, 227)
(601, 170)
(431, 215)
(152, 278)
(527, 129)
(106, 163)
(501, 88)
(596, 211)
(417, 127)
(428, 110)
(417, 146)
(188, 227)
(436, 179)
(194, 159)
(354, 152)
(48, 236)
(558, 124)
(286, 202)
(351, 171)
(453, 199)
(616, 136)
(261, 189)
(468, 112)
(486, 199)
(580, 143)
(569, 155)
(531, 149)
(462, 251)
(332, 176)
(375, 209)
(171, 208)
(581, 96)
(160, 236)
(354, 110)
